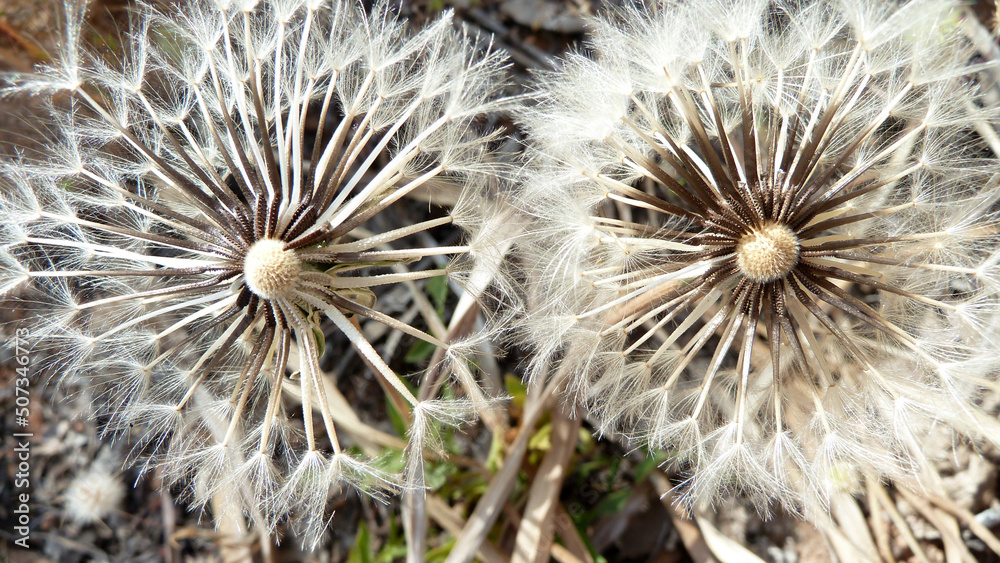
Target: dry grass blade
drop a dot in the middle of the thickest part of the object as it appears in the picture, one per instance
(370, 439)
(881, 496)
(969, 519)
(570, 537)
(724, 548)
(563, 555)
(169, 514)
(955, 550)
(343, 414)
(537, 528)
(398, 401)
(704, 542)
(523, 53)
(851, 521)
(843, 549)
(691, 536)
(34, 51)
(879, 526)
(500, 487)
(234, 543)
(452, 523)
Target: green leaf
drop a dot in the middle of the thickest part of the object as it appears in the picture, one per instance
(389, 460)
(615, 466)
(437, 289)
(542, 439)
(652, 461)
(613, 503)
(394, 547)
(360, 295)
(585, 443)
(419, 352)
(440, 553)
(397, 420)
(516, 390)
(438, 474)
(582, 532)
(361, 552)
(392, 552)
(318, 336)
(585, 468)
(495, 457)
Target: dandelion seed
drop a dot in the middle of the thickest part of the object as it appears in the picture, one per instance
(774, 229)
(235, 178)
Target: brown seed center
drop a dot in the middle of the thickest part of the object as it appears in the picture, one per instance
(768, 253)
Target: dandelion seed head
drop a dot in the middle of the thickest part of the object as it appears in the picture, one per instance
(775, 255)
(238, 184)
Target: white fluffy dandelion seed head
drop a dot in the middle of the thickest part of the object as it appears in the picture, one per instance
(236, 185)
(776, 254)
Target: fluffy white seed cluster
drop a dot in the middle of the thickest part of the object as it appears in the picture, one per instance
(93, 496)
(270, 270)
(240, 174)
(765, 238)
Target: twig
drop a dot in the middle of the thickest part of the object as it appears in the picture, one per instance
(31, 47)
(524, 54)
(570, 536)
